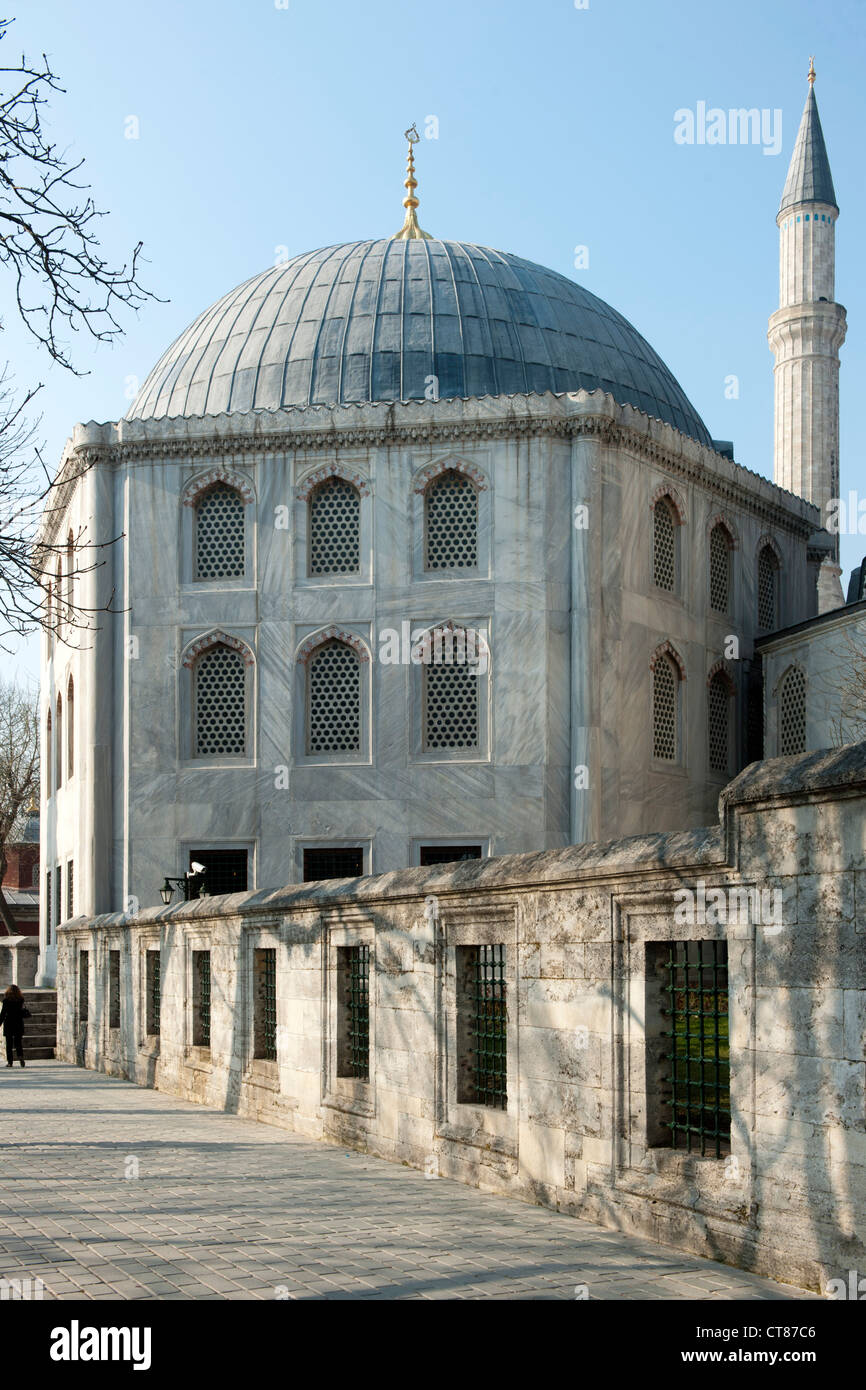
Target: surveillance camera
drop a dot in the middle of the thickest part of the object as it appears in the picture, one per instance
(195, 869)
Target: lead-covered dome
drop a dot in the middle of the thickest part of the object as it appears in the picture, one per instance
(394, 320)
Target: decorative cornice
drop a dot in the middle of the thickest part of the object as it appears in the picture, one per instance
(216, 638)
(219, 474)
(326, 634)
(322, 475)
(668, 649)
(435, 470)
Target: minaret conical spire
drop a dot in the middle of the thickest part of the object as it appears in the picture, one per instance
(809, 179)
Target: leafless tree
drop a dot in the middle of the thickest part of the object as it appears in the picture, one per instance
(19, 770)
(50, 252)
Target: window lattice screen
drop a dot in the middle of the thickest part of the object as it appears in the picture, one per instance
(664, 545)
(665, 684)
(450, 707)
(718, 707)
(220, 703)
(720, 569)
(220, 534)
(792, 713)
(767, 570)
(335, 528)
(451, 523)
(334, 700)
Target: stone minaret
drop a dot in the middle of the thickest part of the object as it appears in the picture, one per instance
(806, 333)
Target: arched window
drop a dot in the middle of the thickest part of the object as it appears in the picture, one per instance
(450, 703)
(720, 569)
(768, 589)
(451, 522)
(70, 565)
(334, 699)
(792, 712)
(666, 680)
(665, 545)
(58, 594)
(335, 528)
(48, 754)
(220, 703)
(70, 728)
(719, 695)
(220, 544)
(58, 751)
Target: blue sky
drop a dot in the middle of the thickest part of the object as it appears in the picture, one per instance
(266, 124)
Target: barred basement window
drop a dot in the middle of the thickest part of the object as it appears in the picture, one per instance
(450, 707)
(720, 569)
(334, 700)
(768, 574)
(220, 703)
(70, 890)
(666, 733)
(353, 1026)
(689, 1068)
(58, 894)
(447, 854)
(335, 528)
(49, 921)
(664, 545)
(718, 723)
(153, 986)
(114, 989)
(265, 1004)
(451, 523)
(792, 712)
(219, 534)
(83, 986)
(336, 862)
(201, 998)
(482, 1026)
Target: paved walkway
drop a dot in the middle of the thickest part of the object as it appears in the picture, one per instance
(110, 1191)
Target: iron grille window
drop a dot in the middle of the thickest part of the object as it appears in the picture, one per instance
(665, 680)
(219, 539)
(792, 712)
(334, 700)
(353, 1035)
(220, 703)
(226, 871)
(664, 546)
(451, 523)
(450, 707)
(70, 728)
(718, 723)
(114, 989)
(70, 890)
(83, 986)
(696, 1096)
(58, 894)
(482, 1035)
(720, 569)
(58, 749)
(201, 998)
(154, 991)
(335, 528)
(447, 854)
(49, 920)
(265, 1015)
(48, 751)
(768, 570)
(332, 863)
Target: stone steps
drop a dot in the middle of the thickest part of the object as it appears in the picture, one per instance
(40, 1029)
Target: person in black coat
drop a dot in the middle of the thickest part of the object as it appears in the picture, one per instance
(12, 1016)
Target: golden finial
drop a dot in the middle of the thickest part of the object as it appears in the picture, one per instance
(410, 231)
(811, 71)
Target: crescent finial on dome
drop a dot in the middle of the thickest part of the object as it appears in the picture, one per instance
(410, 231)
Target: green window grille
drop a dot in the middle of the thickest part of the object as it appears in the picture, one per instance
(268, 1003)
(489, 1027)
(154, 990)
(356, 1001)
(83, 986)
(698, 1098)
(202, 1014)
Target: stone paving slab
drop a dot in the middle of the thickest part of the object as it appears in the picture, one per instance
(111, 1191)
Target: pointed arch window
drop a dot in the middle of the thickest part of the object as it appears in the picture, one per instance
(720, 692)
(334, 512)
(70, 566)
(70, 728)
(665, 546)
(792, 712)
(768, 589)
(58, 750)
(720, 569)
(333, 699)
(666, 708)
(220, 533)
(58, 594)
(220, 703)
(49, 754)
(451, 522)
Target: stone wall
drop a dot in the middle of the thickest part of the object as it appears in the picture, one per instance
(584, 929)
